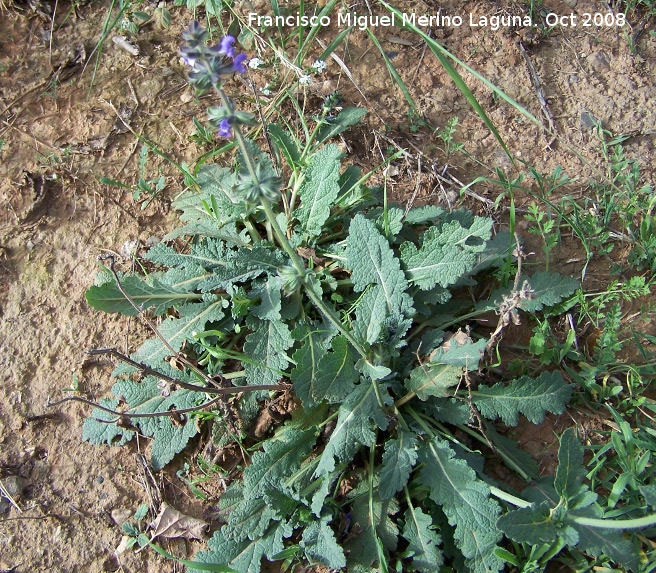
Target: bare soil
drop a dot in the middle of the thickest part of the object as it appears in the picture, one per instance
(60, 134)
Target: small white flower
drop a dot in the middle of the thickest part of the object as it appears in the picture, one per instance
(304, 80)
(266, 91)
(255, 63)
(320, 66)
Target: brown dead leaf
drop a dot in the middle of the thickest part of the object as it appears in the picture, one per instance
(171, 523)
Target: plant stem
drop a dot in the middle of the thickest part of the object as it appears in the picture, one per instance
(638, 523)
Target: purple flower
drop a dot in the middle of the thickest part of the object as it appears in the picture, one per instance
(226, 46)
(238, 63)
(225, 128)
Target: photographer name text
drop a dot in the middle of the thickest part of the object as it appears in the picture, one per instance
(493, 22)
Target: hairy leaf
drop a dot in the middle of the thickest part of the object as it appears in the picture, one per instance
(249, 519)
(346, 118)
(570, 472)
(145, 294)
(285, 143)
(354, 428)
(97, 431)
(216, 184)
(193, 318)
(208, 254)
(433, 380)
(267, 347)
(532, 525)
(336, 376)
(373, 262)
(318, 542)
(314, 344)
(398, 460)
(243, 265)
(423, 541)
(447, 252)
(466, 502)
(531, 397)
(548, 289)
(319, 190)
(281, 457)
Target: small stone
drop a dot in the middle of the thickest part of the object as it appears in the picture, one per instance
(186, 97)
(588, 120)
(14, 485)
(120, 515)
(100, 479)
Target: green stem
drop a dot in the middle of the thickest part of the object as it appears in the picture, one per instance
(509, 498)
(623, 524)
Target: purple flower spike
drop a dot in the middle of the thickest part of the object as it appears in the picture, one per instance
(227, 48)
(225, 128)
(238, 63)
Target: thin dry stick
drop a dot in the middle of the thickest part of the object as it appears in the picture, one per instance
(535, 80)
(6, 494)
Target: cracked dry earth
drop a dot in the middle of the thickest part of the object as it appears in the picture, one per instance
(59, 135)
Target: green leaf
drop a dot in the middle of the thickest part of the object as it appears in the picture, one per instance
(466, 502)
(314, 344)
(270, 299)
(249, 519)
(245, 556)
(216, 184)
(243, 265)
(285, 142)
(447, 253)
(281, 457)
(423, 214)
(95, 431)
(267, 346)
(193, 318)
(612, 542)
(398, 460)
(346, 118)
(109, 298)
(433, 380)
(145, 397)
(531, 397)
(354, 428)
(548, 289)
(466, 355)
(336, 376)
(319, 190)
(208, 254)
(372, 261)
(649, 493)
(318, 542)
(423, 541)
(570, 472)
(529, 524)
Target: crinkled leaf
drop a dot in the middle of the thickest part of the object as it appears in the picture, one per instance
(169, 437)
(245, 556)
(468, 354)
(314, 344)
(423, 542)
(284, 141)
(270, 299)
(392, 224)
(346, 118)
(145, 294)
(548, 289)
(319, 190)
(433, 380)
(532, 525)
(267, 347)
(373, 262)
(193, 318)
(249, 519)
(97, 432)
(208, 253)
(649, 493)
(244, 264)
(216, 184)
(612, 542)
(354, 428)
(336, 376)
(398, 460)
(570, 473)
(319, 543)
(424, 214)
(531, 397)
(281, 457)
(447, 252)
(466, 502)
